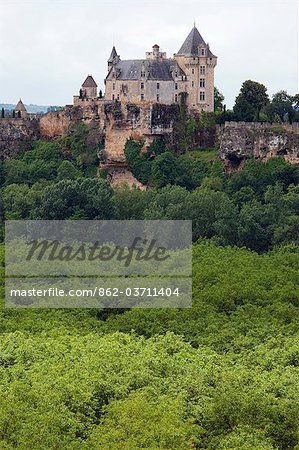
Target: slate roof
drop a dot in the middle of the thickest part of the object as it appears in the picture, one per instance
(89, 82)
(160, 70)
(113, 54)
(20, 106)
(191, 44)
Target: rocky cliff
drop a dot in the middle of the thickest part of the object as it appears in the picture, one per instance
(17, 135)
(261, 141)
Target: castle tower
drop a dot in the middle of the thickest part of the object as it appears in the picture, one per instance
(20, 110)
(113, 59)
(89, 88)
(198, 62)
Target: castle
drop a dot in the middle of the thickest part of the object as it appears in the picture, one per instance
(189, 75)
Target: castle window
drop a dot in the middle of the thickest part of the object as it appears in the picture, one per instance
(176, 86)
(203, 52)
(158, 85)
(113, 97)
(158, 97)
(142, 85)
(113, 86)
(176, 97)
(202, 70)
(143, 73)
(202, 96)
(142, 96)
(202, 83)
(192, 83)
(117, 96)
(192, 71)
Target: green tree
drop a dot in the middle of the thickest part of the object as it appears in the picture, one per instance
(218, 100)
(249, 103)
(281, 106)
(67, 171)
(164, 170)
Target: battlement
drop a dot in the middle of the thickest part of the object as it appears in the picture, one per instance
(293, 128)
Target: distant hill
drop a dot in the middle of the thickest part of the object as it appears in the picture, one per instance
(30, 108)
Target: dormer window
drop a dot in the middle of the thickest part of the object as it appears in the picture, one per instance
(203, 52)
(142, 85)
(158, 86)
(142, 73)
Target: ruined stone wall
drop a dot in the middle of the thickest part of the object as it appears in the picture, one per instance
(241, 140)
(16, 135)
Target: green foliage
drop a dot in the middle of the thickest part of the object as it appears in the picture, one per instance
(66, 198)
(164, 170)
(220, 375)
(138, 163)
(67, 171)
(204, 155)
(249, 103)
(281, 108)
(218, 100)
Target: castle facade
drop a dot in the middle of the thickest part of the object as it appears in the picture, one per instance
(158, 79)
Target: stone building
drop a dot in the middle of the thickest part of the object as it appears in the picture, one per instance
(156, 78)
(20, 110)
(160, 79)
(89, 88)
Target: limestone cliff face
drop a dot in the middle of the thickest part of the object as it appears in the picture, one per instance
(240, 141)
(17, 135)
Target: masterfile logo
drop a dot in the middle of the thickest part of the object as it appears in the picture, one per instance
(89, 263)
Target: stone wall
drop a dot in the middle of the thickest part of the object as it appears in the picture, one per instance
(242, 140)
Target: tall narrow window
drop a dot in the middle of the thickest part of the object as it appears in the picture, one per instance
(192, 71)
(142, 96)
(113, 97)
(176, 86)
(113, 87)
(158, 97)
(176, 98)
(202, 96)
(158, 85)
(203, 52)
(202, 70)
(142, 85)
(192, 83)
(202, 83)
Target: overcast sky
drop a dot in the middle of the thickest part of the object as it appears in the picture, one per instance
(47, 47)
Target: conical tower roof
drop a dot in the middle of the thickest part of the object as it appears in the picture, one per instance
(190, 46)
(89, 82)
(113, 55)
(20, 106)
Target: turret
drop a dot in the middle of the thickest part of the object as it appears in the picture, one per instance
(89, 88)
(20, 110)
(113, 59)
